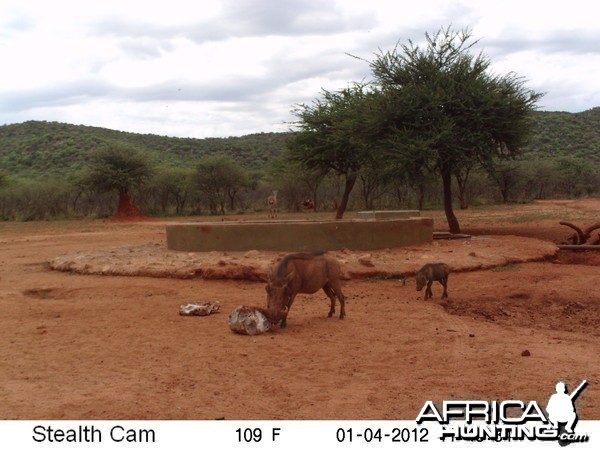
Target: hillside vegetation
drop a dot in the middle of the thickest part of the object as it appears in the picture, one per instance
(44, 167)
(35, 149)
(563, 134)
(41, 149)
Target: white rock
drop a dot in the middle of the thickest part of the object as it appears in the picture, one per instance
(248, 320)
(199, 309)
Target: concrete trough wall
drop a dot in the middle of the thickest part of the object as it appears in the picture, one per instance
(392, 214)
(299, 236)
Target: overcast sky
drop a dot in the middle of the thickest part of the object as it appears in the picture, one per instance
(216, 68)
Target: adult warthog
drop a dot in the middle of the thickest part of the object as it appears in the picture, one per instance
(303, 273)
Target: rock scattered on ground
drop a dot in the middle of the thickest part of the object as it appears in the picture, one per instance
(248, 320)
(155, 260)
(199, 309)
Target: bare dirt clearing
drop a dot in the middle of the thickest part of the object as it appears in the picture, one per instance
(114, 347)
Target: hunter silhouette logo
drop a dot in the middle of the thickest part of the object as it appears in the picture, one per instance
(561, 411)
(508, 420)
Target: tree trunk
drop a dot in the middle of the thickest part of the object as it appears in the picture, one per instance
(341, 209)
(461, 182)
(231, 192)
(504, 193)
(76, 199)
(450, 217)
(420, 196)
(164, 203)
(180, 202)
(399, 195)
(462, 198)
(367, 188)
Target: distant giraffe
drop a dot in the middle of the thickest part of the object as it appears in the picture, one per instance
(272, 205)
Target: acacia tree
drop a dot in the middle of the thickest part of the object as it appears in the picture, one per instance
(296, 182)
(333, 136)
(172, 186)
(505, 175)
(219, 179)
(461, 175)
(119, 168)
(442, 108)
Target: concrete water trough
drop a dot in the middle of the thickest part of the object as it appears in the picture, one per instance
(299, 235)
(391, 214)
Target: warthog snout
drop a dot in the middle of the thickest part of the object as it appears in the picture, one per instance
(278, 299)
(276, 315)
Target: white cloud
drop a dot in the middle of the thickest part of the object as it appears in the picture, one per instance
(231, 67)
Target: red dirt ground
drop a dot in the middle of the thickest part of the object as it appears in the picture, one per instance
(113, 347)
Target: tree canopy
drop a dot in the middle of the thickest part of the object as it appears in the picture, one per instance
(435, 107)
(445, 109)
(219, 179)
(334, 136)
(118, 168)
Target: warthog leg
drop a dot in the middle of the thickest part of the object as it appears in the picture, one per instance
(331, 294)
(334, 292)
(444, 282)
(287, 311)
(428, 293)
(342, 304)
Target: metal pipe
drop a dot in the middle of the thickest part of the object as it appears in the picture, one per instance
(578, 247)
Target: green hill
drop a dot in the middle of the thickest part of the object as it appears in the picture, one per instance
(45, 149)
(34, 149)
(559, 134)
